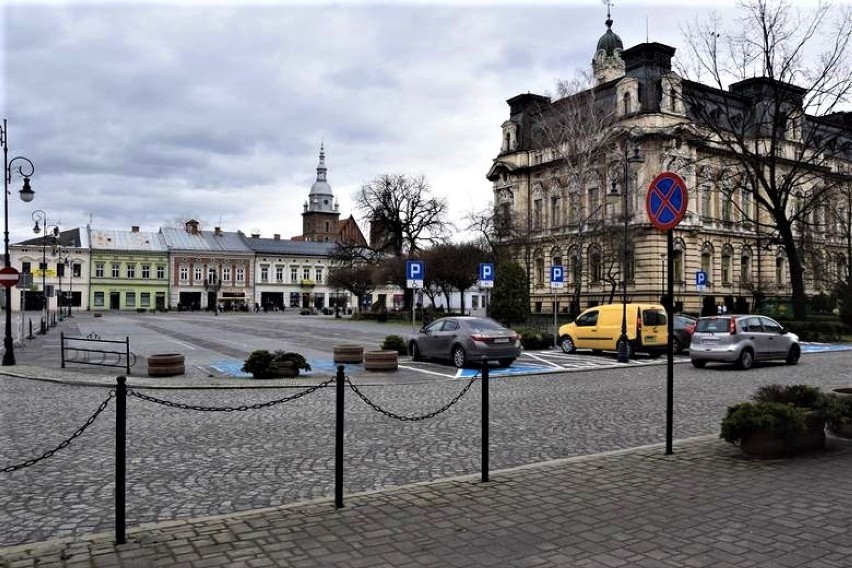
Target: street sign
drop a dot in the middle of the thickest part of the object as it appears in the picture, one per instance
(486, 275)
(9, 276)
(414, 273)
(700, 280)
(666, 201)
(557, 276)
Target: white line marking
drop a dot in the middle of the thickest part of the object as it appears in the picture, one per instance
(427, 372)
(543, 360)
(187, 345)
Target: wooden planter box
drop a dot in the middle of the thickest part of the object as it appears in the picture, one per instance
(348, 353)
(772, 444)
(381, 360)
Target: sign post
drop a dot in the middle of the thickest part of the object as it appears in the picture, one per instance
(413, 279)
(666, 204)
(700, 284)
(557, 281)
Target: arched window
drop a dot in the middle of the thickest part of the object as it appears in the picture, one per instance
(745, 265)
(678, 261)
(538, 276)
(595, 266)
(625, 103)
(780, 268)
(707, 261)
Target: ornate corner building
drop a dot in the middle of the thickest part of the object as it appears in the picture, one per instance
(571, 178)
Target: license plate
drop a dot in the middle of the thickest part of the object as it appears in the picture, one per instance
(650, 338)
(501, 340)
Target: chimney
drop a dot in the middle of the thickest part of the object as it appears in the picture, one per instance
(134, 229)
(255, 235)
(276, 236)
(217, 231)
(192, 227)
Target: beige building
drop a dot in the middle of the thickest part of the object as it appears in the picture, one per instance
(560, 174)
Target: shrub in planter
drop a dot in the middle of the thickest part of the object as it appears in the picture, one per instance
(395, 343)
(773, 429)
(533, 339)
(265, 365)
(801, 396)
(838, 415)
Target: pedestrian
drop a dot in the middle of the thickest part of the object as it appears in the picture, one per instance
(724, 309)
(719, 308)
(256, 307)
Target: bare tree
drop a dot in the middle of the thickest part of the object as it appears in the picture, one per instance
(359, 279)
(780, 132)
(403, 214)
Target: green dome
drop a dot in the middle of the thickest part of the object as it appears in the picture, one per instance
(609, 41)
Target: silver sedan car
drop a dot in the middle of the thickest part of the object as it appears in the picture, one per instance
(465, 339)
(742, 340)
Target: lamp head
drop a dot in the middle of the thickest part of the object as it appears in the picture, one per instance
(26, 192)
(36, 228)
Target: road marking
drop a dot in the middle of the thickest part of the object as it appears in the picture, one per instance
(419, 370)
(543, 360)
(179, 342)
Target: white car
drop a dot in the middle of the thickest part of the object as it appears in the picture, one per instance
(742, 340)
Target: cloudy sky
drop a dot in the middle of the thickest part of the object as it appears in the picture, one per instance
(146, 113)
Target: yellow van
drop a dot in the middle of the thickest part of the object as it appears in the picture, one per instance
(599, 328)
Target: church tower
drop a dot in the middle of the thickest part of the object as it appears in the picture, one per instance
(607, 63)
(321, 214)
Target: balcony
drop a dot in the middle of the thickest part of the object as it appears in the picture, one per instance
(308, 283)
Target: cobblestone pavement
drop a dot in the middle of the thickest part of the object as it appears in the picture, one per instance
(702, 506)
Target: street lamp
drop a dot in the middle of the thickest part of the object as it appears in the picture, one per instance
(69, 266)
(25, 170)
(623, 341)
(39, 216)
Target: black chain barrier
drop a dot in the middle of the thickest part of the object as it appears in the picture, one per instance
(243, 408)
(78, 432)
(427, 416)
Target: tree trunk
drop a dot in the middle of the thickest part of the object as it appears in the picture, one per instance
(797, 275)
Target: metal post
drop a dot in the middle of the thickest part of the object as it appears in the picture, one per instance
(669, 348)
(62, 348)
(338, 440)
(623, 348)
(127, 352)
(484, 420)
(120, 456)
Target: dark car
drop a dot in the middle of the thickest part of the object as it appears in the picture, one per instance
(465, 339)
(683, 328)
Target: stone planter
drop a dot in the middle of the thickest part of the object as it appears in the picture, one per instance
(843, 392)
(348, 353)
(166, 365)
(283, 369)
(381, 360)
(772, 444)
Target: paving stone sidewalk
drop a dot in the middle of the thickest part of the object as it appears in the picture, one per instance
(703, 506)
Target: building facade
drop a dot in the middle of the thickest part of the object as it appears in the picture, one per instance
(583, 207)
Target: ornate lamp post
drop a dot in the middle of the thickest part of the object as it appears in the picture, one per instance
(623, 340)
(39, 216)
(69, 266)
(25, 170)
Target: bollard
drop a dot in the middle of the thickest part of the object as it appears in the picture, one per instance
(120, 447)
(338, 441)
(62, 348)
(484, 420)
(31, 329)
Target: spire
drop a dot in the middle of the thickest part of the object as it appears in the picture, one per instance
(321, 169)
(321, 198)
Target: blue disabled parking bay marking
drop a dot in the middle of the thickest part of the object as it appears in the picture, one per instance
(824, 347)
(322, 367)
(518, 368)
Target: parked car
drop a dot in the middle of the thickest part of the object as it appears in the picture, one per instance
(682, 337)
(742, 340)
(599, 329)
(465, 339)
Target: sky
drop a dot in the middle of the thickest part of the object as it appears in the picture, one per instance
(149, 113)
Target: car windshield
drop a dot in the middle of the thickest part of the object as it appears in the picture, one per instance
(482, 324)
(713, 325)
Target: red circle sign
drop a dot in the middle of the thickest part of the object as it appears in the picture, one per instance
(666, 200)
(9, 276)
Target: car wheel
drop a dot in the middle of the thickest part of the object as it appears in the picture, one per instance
(698, 363)
(505, 362)
(677, 346)
(793, 354)
(459, 356)
(746, 359)
(415, 352)
(567, 344)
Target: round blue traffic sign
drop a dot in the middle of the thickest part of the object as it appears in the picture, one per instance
(666, 201)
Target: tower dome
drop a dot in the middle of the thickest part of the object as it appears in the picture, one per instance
(610, 41)
(321, 186)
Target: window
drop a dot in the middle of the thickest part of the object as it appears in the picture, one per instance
(199, 275)
(130, 299)
(226, 275)
(707, 264)
(115, 269)
(146, 271)
(99, 299)
(264, 273)
(554, 212)
(537, 206)
(706, 204)
(745, 269)
(779, 270)
(589, 319)
(294, 275)
(279, 274)
(594, 202)
(60, 270)
(26, 267)
(727, 206)
(726, 267)
(625, 103)
(212, 277)
(318, 274)
(145, 299)
(241, 275)
(576, 269)
(595, 267)
(184, 273)
(746, 206)
(76, 270)
(677, 261)
(161, 272)
(131, 271)
(306, 273)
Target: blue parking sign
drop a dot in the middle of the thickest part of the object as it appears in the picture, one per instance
(486, 275)
(414, 273)
(557, 276)
(700, 278)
